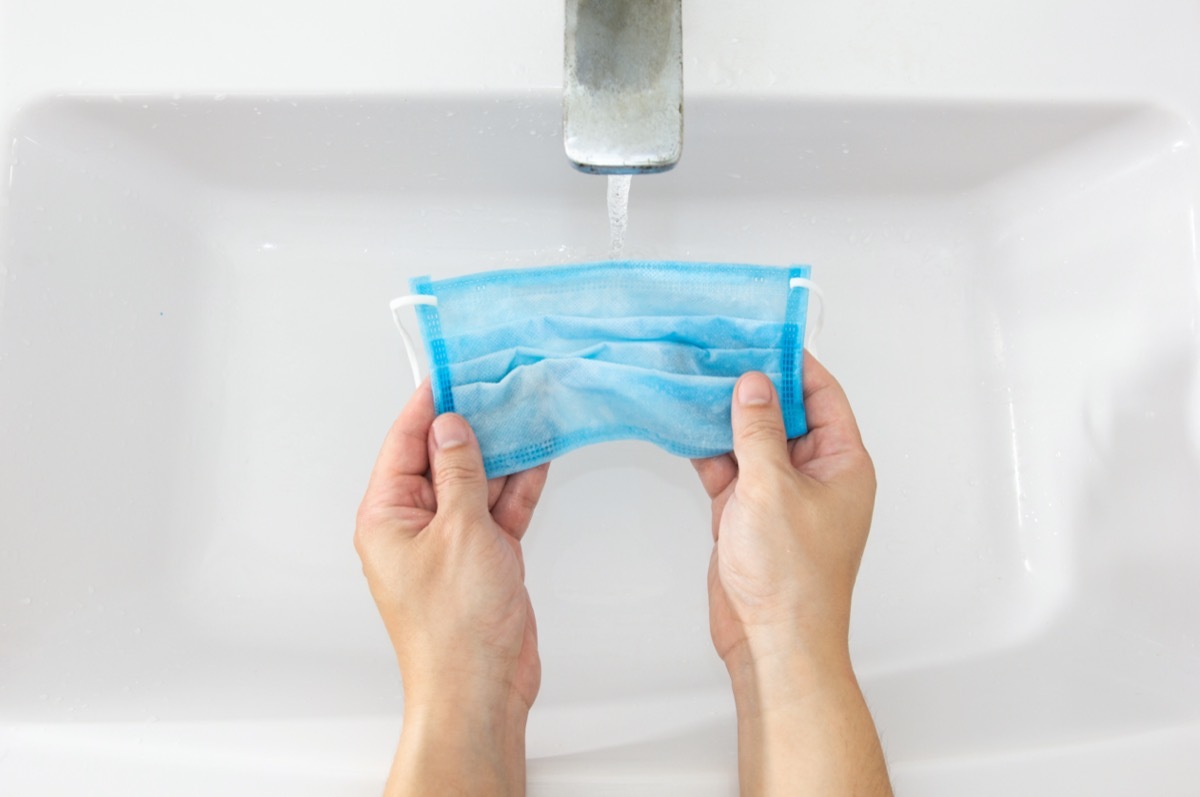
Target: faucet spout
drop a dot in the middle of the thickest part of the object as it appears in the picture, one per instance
(623, 85)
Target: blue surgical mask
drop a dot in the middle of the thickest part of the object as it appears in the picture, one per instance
(543, 361)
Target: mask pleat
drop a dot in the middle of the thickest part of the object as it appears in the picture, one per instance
(593, 402)
(566, 333)
(668, 358)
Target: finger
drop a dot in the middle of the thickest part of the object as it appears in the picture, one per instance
(404, 450)
(459, 481)
(715, 473)
(825, 401)
(514, 508)
(759, 437)
(832, 428)
(398, 477)
(495, 489)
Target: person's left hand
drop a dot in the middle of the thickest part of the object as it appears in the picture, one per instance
(441, 549)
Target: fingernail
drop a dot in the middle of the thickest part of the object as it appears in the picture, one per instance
(449, 431)
(754, 390)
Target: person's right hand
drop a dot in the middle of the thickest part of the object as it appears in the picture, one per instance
(790, 520)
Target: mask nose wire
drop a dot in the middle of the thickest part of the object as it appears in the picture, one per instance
(816, 320)
(409, 348)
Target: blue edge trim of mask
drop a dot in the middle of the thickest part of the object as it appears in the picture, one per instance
(430, 323)
(791, 390)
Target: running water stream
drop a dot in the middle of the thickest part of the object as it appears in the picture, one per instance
(618, 212)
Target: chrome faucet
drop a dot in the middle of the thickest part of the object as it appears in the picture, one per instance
(623, 85)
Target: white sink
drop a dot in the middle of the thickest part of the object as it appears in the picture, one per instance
(197, 365)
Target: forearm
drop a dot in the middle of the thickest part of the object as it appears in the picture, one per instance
(804, 729)
(452, 749)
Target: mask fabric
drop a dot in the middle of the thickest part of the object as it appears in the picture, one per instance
(543, 361)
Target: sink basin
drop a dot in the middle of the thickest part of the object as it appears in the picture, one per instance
(197, 365)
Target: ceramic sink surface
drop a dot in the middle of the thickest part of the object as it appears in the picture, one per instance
(197, 365)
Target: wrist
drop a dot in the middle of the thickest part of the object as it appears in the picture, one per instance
(803, 726)
(461, 706)
(463, 681)
(774, 679)
(462, 745)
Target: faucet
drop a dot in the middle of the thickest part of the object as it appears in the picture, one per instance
(623, 85)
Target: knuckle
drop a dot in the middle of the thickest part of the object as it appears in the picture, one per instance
(864, 466)
(762, 427)
(362, 540)
(373, 525)
(526, 502)
(367, 527)
(361, 518)
(456, 471)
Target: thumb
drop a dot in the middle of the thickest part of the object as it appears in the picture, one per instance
(759, 436)
(459, 481)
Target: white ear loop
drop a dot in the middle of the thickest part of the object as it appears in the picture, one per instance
(816, 319)
(409, 348)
